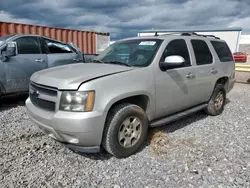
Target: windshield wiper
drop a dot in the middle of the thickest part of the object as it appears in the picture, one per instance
(119, 63)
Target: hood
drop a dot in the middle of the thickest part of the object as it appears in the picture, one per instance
(71, 76)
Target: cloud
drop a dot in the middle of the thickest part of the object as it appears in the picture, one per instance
(125, 18)
(242, 22)
(6, 17)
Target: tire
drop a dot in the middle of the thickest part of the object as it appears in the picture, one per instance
(212, 108)
(116, 127)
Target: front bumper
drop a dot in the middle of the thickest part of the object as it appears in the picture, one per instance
(81, 131)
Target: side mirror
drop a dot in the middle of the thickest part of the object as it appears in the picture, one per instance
(10, 51)
(172, 61)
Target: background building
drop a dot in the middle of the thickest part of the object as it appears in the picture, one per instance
(230, 35)
(245, 44)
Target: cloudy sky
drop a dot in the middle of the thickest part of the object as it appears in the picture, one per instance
(125, 18)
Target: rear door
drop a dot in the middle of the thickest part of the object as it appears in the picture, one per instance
(207, 69)
(58, 53)
(28, 60)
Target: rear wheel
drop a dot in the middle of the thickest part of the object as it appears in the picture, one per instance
(125, 130)
(217, 102)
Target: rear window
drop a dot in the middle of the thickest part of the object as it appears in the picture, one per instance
(222, 51)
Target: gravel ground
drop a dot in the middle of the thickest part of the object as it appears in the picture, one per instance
(198, 151)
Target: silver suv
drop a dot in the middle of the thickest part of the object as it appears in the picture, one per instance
(136, 83)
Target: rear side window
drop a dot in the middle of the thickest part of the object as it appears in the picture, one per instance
(222, 51)
(28, 45)
(57, 47)
(202, 53)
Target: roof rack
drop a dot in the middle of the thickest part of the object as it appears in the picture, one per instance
(187, 34)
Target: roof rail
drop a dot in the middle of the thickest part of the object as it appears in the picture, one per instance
(156, 34)
(213, 36)
(187, 34)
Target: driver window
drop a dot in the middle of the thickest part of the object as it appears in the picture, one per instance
(28, 45)
(177, 47)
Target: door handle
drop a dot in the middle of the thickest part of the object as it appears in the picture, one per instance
(190, 75)
(214, 71)
(39, 60)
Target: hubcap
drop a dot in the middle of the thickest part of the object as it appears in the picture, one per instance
(219, 99)
(129, 132)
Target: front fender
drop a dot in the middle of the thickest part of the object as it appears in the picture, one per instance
(113, 100)
(113, 88)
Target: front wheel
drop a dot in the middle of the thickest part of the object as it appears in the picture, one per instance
(125, 130)
(217, 102)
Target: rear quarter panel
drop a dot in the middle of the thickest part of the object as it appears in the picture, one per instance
(228, 69)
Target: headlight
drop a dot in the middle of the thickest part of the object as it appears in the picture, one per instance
(77, 101)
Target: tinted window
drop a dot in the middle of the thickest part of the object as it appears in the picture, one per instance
(177, 47)
(57, 47)
(202, 53)
(28, 45)
(222, 51)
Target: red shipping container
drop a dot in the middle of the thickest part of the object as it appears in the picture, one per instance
(87, 41)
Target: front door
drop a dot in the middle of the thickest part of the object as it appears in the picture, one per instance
(28, 60)
(175, 88)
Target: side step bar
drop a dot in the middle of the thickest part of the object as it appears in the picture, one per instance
(171, 118)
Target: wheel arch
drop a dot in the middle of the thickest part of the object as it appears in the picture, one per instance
(224, 81)
(142, 99)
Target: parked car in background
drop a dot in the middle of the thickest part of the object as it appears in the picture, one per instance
(136, 83)
(89, 57)
(240, 57)
(22, 55)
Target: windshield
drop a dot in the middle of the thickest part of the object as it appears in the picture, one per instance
(136, 52)
(4, 38)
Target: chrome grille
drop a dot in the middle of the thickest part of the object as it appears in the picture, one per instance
(43, 97)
